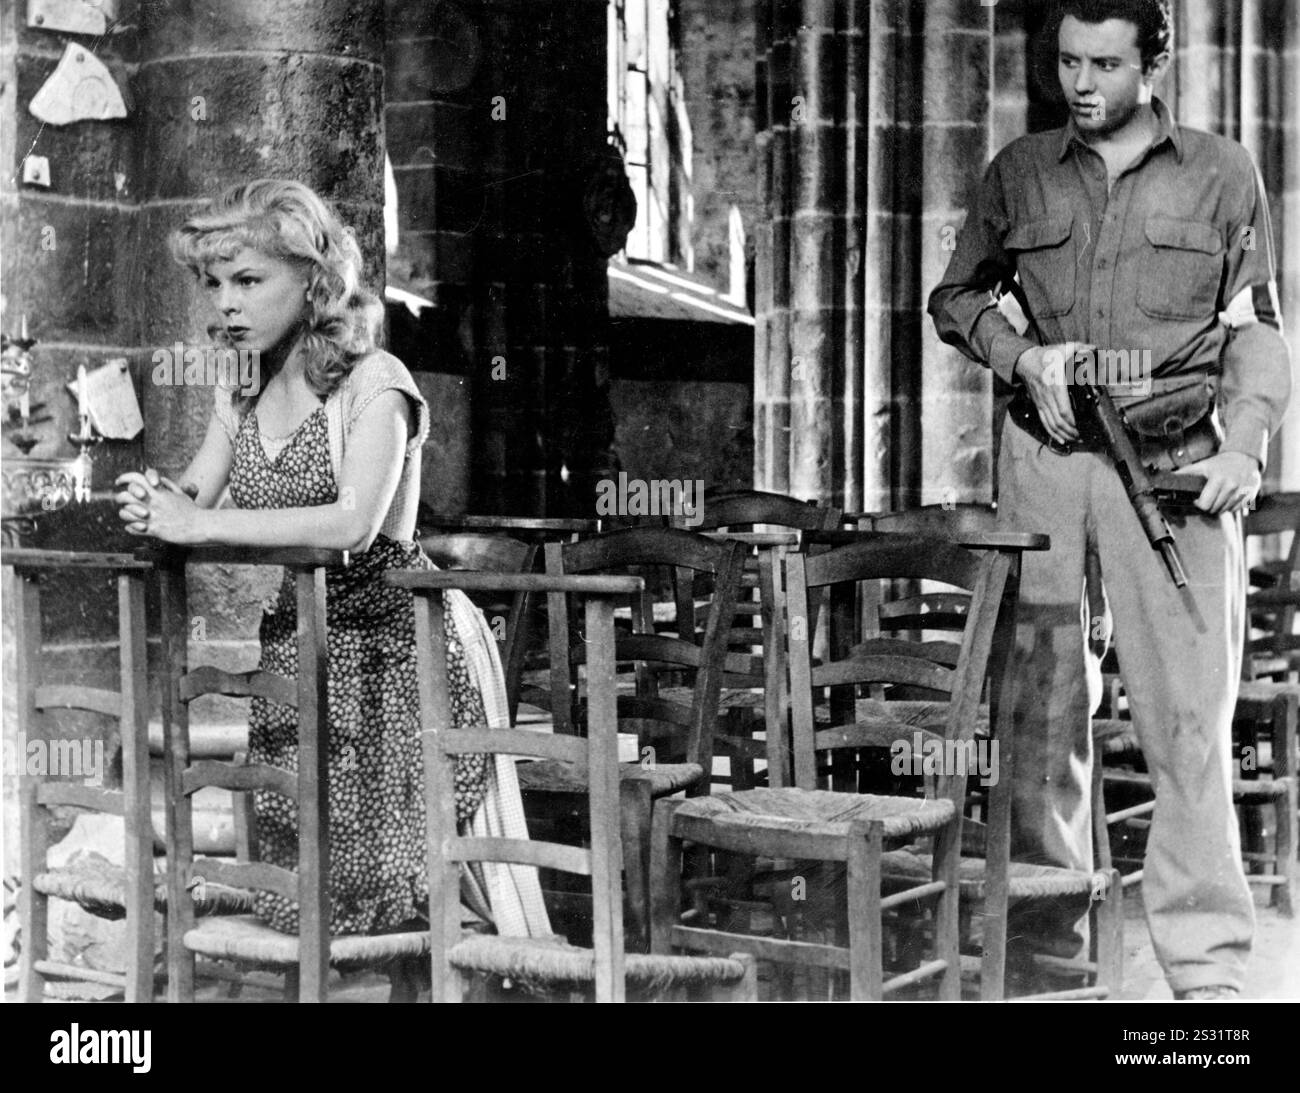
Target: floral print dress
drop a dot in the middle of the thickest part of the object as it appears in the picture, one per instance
(376, 794)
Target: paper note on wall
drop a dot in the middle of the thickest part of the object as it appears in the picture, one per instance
(110, 398)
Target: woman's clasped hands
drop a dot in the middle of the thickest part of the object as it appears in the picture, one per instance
(152, 504)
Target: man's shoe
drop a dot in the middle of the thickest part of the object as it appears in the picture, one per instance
(1218, 993)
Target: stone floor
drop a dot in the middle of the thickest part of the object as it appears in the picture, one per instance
(1273, 971)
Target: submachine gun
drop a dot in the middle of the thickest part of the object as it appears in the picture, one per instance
(1101, 423)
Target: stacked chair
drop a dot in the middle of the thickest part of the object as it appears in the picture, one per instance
(129, 892)
(809, 825)
(243, 939)
(674, 738)
(986, 865)
(754, 696)
(459, 961)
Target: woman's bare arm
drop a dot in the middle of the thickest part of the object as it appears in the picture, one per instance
(372, 468)
(209, 471)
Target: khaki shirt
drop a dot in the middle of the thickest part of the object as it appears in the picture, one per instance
(1173, 265)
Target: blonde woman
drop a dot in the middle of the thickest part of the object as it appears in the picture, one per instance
(326, 453)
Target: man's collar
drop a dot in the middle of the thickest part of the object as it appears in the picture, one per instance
(1166, 129)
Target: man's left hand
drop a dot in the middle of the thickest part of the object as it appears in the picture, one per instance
(1232, 481)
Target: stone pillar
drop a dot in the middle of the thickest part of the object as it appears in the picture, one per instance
(238, 91)
(499, 109)
(956, 408)
(1234, 73)
(227, 93)
(810, 249)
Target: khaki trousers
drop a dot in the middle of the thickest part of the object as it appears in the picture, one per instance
(1179, 653)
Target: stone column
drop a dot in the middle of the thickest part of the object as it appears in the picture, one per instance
(809, 249)
(499, 108)
(227, 93)
(956, 412)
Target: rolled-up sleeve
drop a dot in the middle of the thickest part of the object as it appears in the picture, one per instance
(964, 304)
(1256, 362)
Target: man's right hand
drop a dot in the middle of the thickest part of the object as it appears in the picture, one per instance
(1046, 371)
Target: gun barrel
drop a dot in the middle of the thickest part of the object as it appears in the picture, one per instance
(1173, 563)
(1136, 481)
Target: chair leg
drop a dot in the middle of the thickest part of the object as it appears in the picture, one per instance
(404, 981)
(665, 877)
(1285, 850)
(947, 923)
(866, 921)
(290, 993)
(635, 806)
(1108, 922)
(746, 988)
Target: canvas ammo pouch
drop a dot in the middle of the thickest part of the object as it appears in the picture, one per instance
(1176, 424)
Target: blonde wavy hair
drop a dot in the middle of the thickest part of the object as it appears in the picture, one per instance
(290, 221)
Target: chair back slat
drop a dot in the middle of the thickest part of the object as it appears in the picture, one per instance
(256, 876)
(210, 680)
(72, 696)
(111, 802)
(895, 556)
(535, 852)
(521, 742)
(742, 510)
(239, 778)
(645, 546)
(915, 671)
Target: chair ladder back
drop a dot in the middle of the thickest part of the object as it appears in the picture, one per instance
(878, 660)
(129, 705)
(598, 752)
(308, 787)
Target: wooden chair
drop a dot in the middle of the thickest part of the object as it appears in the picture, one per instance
(809, 824)
(989, 879)
(127, 892)
(674, 738)
(494, 553)
(540, 962)
(757, 683)
(305, 960)
(1273, 648)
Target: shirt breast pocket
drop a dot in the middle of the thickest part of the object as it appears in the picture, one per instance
(1045, 261)
(1181, 269)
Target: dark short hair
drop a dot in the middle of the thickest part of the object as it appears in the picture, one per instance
(1153, 19)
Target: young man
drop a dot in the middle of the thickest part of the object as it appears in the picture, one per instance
(1128, 235)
